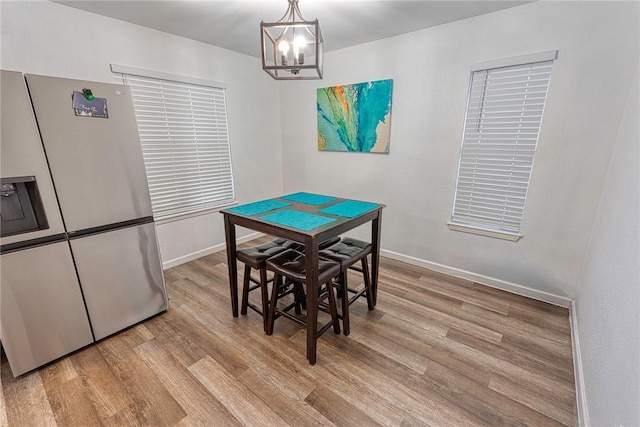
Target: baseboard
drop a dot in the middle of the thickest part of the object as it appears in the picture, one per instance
(581, 395)
(208, 251)
(452, 271)
(485, 280)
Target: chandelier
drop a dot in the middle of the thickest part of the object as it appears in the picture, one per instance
(292, 47)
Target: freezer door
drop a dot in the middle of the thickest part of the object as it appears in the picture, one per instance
(22, 153)
(96, 162)
(121, 276)
(42, 315)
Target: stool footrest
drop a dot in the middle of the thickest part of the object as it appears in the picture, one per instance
(357, 293)
(257, 282)
(255, 308)
(284, 311)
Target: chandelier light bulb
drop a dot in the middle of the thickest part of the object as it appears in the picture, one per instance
(284, 49)
(299, 44)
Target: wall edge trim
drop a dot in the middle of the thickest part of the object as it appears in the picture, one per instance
(578, 372)
(207, 251)
(493, 282)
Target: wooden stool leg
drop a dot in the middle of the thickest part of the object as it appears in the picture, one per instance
(299, 297)
(333, 307)
(277, 282)
(302, 295)
(338, 282)
(367, 283)
(265, 297)
(246, 283)
(345, 304)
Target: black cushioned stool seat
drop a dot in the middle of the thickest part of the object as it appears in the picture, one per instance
(291, 264)
(290, 244)
(348, 252)
(257, 255)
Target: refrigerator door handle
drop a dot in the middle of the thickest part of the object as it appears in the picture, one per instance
(109, 227)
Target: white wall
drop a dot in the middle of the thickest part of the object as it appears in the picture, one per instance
(598, 53)
(598, 45)
(598, 56)
(41, 37)
(608, 300)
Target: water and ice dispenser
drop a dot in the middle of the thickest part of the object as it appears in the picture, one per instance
(21, 209)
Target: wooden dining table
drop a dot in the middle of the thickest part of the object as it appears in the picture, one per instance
(306, 218)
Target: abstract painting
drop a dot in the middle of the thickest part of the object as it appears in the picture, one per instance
(355, 117)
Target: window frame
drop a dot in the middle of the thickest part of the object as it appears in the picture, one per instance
(489, 227)
(218, 144)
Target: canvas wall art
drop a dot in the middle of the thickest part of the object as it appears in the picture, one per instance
(355, 117)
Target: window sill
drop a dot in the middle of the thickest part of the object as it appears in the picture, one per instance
(504, 235)
(186, 215)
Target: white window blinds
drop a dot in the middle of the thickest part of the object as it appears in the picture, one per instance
(504, 113)
(185, 144)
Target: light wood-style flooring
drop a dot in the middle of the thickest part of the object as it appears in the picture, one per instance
(436, 351)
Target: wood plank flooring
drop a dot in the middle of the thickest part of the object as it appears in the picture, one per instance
(436, 351)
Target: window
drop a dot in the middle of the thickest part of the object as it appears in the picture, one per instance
(504, 113)
(182, 124)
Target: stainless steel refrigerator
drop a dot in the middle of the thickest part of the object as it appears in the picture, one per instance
(80, 258)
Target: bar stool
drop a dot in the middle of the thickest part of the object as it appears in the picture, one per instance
(348, 252)
(291, 264)
(255, 258)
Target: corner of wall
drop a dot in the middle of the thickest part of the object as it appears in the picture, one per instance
(581, 392)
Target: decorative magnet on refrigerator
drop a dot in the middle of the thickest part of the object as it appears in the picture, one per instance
(87, 105)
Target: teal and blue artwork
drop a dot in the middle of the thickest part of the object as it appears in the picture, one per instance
(355, 117)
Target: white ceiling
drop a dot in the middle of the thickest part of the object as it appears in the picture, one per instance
(235, 25)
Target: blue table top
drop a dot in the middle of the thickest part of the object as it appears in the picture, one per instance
(309, 198)
(305, 210)
(256, 208)
(297, 219)
(349, 208)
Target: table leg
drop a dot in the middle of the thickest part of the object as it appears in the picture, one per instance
(230, 238)
(376, 227)
(311, 267)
